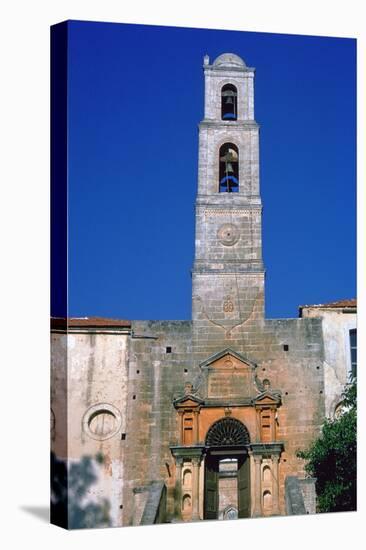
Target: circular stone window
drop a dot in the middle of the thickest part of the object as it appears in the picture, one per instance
(228, 234)
(102, 421)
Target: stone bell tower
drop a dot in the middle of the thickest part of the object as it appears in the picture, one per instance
(228, 272)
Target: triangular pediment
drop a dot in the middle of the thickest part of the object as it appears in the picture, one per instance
(188, 401)
(228, 359)
(268, 398)
(228, 375)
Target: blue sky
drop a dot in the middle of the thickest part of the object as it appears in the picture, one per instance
(135, 100)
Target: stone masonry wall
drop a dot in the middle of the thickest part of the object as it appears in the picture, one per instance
(140, 375)
(155, 377)
(211, 137)
(242, 80)
(96, 418)
(298, 373)
(337, 354)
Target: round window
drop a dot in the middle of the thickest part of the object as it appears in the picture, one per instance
(102, 421)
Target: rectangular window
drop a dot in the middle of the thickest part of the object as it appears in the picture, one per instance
(188, 431)
(353, 348)
(266, 426)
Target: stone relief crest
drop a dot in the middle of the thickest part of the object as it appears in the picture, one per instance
(228, 305)
(228, 234)
(229, 316)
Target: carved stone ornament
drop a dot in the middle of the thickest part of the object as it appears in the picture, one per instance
(189, 397)
(188, 388)
(228, 234)
(102, 421)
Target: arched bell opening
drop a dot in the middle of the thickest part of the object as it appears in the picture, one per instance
(229, 102)
(227, 471)
(228, 168)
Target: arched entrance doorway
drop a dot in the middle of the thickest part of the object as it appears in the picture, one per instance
(227, 471)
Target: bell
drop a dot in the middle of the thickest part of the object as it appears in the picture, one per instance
(229, 167)
(229, 100)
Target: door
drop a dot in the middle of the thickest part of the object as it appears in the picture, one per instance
(243, 487)
(211, 501)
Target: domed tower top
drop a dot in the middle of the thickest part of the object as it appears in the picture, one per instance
(228, 82)
(229, 60)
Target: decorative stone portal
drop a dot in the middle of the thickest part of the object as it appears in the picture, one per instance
(227, 471)
(239, 476)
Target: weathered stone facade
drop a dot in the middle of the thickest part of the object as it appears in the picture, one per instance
(163, 407)
(339, 326)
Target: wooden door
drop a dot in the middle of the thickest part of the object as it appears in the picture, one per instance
(244, 487)
(211, 501)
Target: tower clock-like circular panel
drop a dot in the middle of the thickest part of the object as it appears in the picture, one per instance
(228, 234)
(102, 421)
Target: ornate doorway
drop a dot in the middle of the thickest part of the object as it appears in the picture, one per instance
(227, 471)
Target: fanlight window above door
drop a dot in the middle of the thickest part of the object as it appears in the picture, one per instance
(227, 432)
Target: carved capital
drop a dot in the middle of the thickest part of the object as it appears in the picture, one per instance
(196, 460)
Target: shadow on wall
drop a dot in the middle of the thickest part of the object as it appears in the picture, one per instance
(71, 505)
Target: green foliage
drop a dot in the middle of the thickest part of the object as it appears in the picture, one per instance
(332, 458)
(71, 506)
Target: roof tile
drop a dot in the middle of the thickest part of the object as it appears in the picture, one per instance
(90, 322)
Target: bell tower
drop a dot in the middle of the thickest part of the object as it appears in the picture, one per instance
(228, 272)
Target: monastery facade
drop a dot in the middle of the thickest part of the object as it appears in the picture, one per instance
(166, 421)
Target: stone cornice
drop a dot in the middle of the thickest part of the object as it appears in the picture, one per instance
(217, 210)
(235, 124)
(217, 402)
(273, 447)
(228, 69)
(236, 200)
(229, 269)
(195, 451)
(256, 449)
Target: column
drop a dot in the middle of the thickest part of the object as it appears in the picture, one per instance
(181, 433)
(258, 412)
(273, 425)
(196, 461)
(275, 485)
(257, 486)
(195, 427)
(178, 487)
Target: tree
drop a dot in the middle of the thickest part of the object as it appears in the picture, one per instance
(70, 487)
(332, 458)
